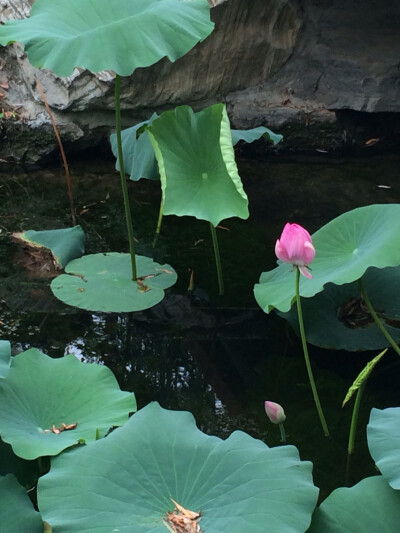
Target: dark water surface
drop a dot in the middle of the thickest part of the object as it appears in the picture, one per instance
(219, 358)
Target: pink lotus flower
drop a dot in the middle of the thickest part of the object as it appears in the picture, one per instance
(295, 247)
(275, 412)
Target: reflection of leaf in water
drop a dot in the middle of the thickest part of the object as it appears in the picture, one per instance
(182, 520)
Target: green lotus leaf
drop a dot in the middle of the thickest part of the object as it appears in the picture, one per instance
(17, 514)
(103, 282)
(197, 165)
(118, 35)
(345, 247)
(371, 506)
(254, 134)
(383, 433)
(5, 358)
(65, 244)
(41, 394)
(125, 481)
(27, 472)
(336, 318)
(139, 159)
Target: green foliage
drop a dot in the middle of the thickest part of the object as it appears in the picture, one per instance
(5, 358)
(383, 433)
(336, 318)
(196, 161)
(65, 244)
(368, 507)
(362, 377)
(103, 282)
(345, 248)
(17, 514)
(254, 134)
(239, 484)
(138, 153)
(41, 393)
(108, 34)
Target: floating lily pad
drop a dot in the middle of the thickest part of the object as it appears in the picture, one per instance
(345, 248)
(196, 161)
(383, 432)
(103, 282)
(337, 318)
(139, 159)
(254, 134)
(5, 358)
(61, 35)
(238, 484)
(371, 506)
(17, 514)
(61, 245)
(41, 395)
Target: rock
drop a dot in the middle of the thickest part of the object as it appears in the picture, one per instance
(294, 66)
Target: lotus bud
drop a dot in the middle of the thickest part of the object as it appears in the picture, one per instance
(275, 412)
(295, 246)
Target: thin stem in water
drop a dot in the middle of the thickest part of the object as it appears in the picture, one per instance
(283, 433)
(62, 152)
(377, 320)
(217, 259)
(124, 186)
(353, 427)
(159, 223)
(307, 358)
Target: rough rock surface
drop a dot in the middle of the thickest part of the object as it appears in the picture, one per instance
(293, 65)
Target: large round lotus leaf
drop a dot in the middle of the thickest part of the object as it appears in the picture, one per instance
(139, 159)
(371, 506)
(383, 433)
(17, 514)
(5, 358)
(119, 35)
(125, 481)
(337, 318)
(345, 248)
(40, 394)
(196, 161)
(103, 282)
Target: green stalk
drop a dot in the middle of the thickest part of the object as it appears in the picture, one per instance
(377, 320)
(282, 430)
(159, 222)
(353, 427)
(217, 260)
(125, 195)
(307, 358)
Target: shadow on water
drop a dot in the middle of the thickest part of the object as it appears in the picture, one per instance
(219, 358)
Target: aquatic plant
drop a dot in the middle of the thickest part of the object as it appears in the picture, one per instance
(276, 414)
(295, 247)
(196, 161)
(347, 247)
(120, 36)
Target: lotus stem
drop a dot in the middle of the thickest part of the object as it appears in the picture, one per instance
(307, 358)
(377, 320)
(159, 223)
(124, 186)
(217, 259)
(62, 152)
(283, 433)
(353, 427)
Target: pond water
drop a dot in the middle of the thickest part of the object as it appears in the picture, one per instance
(218, 357)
